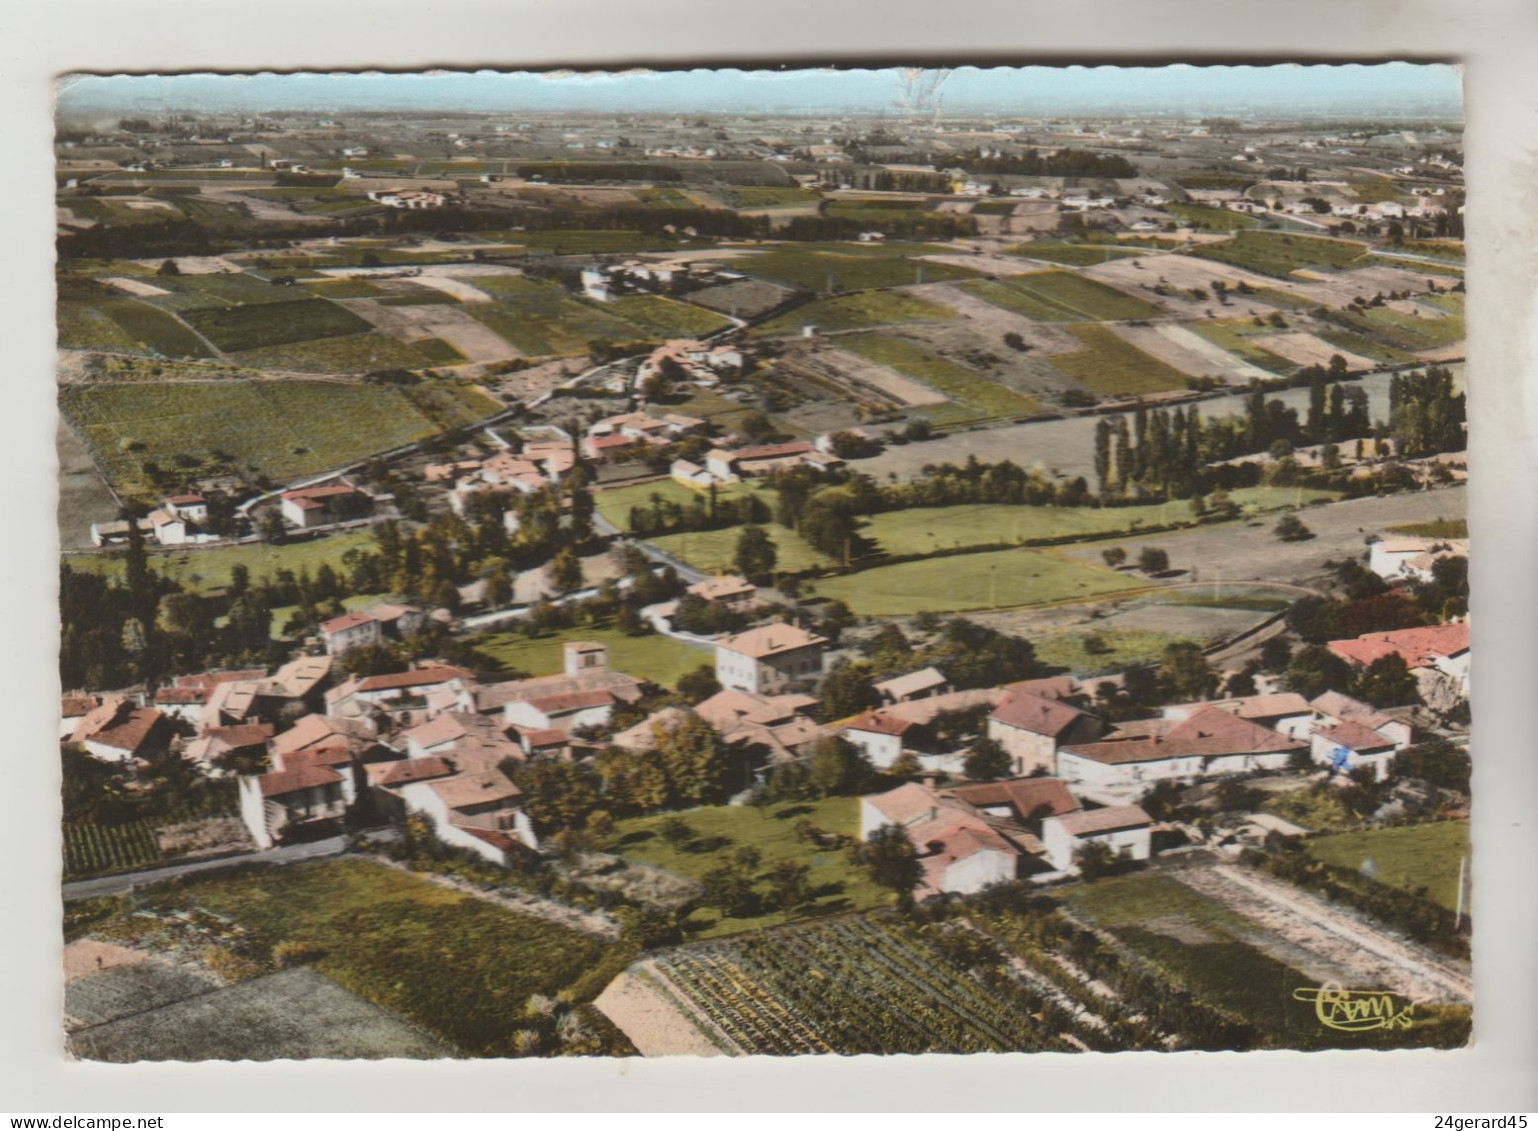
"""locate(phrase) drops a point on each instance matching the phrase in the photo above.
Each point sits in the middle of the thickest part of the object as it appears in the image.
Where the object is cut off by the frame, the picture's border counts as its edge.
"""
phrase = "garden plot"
(446, 322)
(197, 264)
(1190, 353)
(1185, 273)
(1305, 349)
(458, 288)
(994, 322)
(989, 264)
(136, 287)
(294, 1014)
(639, 1007)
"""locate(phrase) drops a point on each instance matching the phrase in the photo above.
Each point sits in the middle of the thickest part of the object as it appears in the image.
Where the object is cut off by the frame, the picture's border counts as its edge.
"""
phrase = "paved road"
(118, 884)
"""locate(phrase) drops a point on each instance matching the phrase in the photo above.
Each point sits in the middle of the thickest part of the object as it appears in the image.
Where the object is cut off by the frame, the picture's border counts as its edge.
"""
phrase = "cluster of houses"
(729, 465)
(602, 282)
(698, 362)
(179, 520)
(621, 436)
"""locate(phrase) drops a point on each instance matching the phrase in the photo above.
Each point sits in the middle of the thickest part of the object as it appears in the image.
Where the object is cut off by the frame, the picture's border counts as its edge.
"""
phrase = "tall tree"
(892, 861)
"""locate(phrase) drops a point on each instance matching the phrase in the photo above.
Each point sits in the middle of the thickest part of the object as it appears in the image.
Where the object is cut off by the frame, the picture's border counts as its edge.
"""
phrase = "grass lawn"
(1234, 336)
(665, 318)
(1215, 219)
(856, 312)
(207, 570)
(857, 267)
(1280, 254)
(714, 551)
(615, 503)
(1071, 254)
(999, 579)
(1091, 654)
(279, 429)
(976, 398)
(1409, 858)
(840, 885)
(460, 967)
(1061, 296)
(257, 325)
(660, 659)
(924, 530)
(1115, 367)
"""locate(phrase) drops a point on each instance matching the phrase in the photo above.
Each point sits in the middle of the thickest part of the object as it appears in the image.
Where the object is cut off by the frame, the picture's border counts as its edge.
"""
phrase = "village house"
(407, 696)
(116, 533)
(310, 507)
(585, 668)
(563, 711)
(1349, 745)
(885, 733)
(958, 849)
(304, 794)
(213, 745)
(769, 729)
(1287, 713)
(349, 631)
(1437, 656)
(1128, 762)
(1032, 727)
(1333, 708)
(119, 731)
(769, 658)
(746, 463)
(727, 591)
(691, 475)
(1124, 829)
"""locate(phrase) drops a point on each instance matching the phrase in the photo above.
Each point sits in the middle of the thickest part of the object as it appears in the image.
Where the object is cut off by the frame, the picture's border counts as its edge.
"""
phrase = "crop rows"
(854, 985)
(91, 849)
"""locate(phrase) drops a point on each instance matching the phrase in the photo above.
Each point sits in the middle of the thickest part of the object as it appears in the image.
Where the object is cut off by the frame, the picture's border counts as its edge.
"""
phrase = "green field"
(1279, 254)
(1113, 366)
(665, 318)
(1234, 336)
(209, 570)
(1088, 654)
(714, 551)
(1214, 219)
(1437, 528)
(754, 197)
(1071, 254)
(1409, 858)
(660, 659)
(841, 886)
(1060, 296)
(597, 242)
(1364, 346)
(999, 579)
(420, 298)
(857, 312)
(259, 325)
(848, 267)
(976, 398)
(344, 288)
(438, 351)
(353, 353)
(458, 966)
(1407, 332)
(279, 429)
(84, 324)
(615, 503)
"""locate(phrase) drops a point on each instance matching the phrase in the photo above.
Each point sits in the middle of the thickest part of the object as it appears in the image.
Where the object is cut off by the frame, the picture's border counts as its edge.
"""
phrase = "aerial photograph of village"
(713, 564)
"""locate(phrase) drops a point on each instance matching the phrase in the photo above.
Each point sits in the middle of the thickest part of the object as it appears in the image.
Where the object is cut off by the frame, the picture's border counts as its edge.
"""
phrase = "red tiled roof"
(181, 695)
(207, 680)
(1024, 711)
(773, 451)
(304, 493)
(1417, 646)
(131, 732)
(769, 640)
(185, 500)
(74, 706)
(571, 701)
(1207, 733)
(345, 621)
(300, 773)
(417, 677)
(244, 734)
(1355, 736)
(494, 837)
(1028, 797)
(538, 737)
(874, 722)
(414, 769)
(1088, 822)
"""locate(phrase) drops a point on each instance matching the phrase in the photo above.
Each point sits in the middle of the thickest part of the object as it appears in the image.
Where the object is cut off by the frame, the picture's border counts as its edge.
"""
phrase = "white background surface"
(1495, 39)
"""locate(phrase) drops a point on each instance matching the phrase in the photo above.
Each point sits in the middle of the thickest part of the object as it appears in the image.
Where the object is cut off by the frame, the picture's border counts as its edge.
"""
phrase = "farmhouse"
(118, 731)
(1333, 708)
(1437, 656)
(309, 507)
(1287, 713)
(210, 748)
(1348, 745)
(745, 463)
(304, 793)
(1129, 761)
(1032, 727)
(564, 711)
(407, 693)
(1124, 829)
(691, 475)
(728, 591)
(771, 729)
(350, 630)
(116, 533)
(958, 850)
(586, 668)
(768, 658)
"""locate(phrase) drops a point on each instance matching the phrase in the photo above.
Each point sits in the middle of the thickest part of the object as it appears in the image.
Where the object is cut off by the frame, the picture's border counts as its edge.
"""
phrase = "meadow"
(1410, 858)
(349, 354)
(1000, 579)
(615, 503)
(258, 325)
(551, 324)
(825, 268)
(654, 657)
(666, 318)
(1071, 254)
(1202, 216)
(720, 829)
(208, 571)
(1234, 336)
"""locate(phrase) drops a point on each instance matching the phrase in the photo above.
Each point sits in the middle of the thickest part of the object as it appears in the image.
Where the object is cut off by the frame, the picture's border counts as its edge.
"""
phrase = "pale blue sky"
(1027, 91)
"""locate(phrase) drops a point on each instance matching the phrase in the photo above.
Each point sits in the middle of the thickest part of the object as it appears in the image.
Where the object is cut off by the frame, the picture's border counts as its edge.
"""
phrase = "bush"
(287, 954)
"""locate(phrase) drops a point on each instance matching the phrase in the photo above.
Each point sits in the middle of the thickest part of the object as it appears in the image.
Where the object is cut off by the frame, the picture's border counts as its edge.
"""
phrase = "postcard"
(727, 564)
